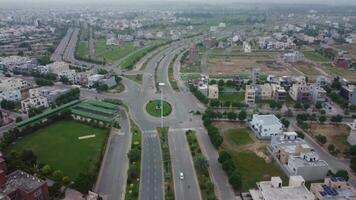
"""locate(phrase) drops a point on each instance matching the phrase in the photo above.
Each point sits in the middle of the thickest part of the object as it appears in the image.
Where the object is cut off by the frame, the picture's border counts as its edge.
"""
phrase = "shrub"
(321, 139)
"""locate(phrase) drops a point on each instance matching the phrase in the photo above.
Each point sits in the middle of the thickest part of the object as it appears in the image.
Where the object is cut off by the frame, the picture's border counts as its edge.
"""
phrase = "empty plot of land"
(249, 154)
(244, 63)
(306, 68)
(350, 48)
(112, 52)
(335, 133)
(335, 71)
(315, 56)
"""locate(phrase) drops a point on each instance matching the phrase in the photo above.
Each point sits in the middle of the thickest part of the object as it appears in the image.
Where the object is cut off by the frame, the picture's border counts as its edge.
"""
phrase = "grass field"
(348, 74)
(315, 56)
(112, 53)
(190, 68)
(137, 78)
(152, 109)
(240, 136)
(83, 49)
(307, 69)
(254, 169)
(232, 97)
(58, 145)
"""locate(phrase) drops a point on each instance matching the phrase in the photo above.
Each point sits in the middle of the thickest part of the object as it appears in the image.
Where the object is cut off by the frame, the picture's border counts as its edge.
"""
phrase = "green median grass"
(152, 109)
(58, 146)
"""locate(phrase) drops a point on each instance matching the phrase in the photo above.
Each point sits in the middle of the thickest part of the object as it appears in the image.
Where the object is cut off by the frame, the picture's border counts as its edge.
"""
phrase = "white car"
(181, 176)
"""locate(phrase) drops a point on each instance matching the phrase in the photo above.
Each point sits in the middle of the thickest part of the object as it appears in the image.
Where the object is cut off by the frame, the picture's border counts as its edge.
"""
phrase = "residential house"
(265, 126)
(342, 62)
(279, 93)
(308, 165)
(213, 92)
(246, 47)
(50, 93)
(13, 83)
(263, 92)
(10, 95)
(210, 42)
(274, 190)
(21, 185)
(35, 102)
(333, 188)
(250, 95)
(293, 57)
(57, 67)
(303, 92)
(349, 93)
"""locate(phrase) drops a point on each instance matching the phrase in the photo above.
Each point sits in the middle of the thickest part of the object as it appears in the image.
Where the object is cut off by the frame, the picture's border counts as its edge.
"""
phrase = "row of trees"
(200, 96)
(229, 167)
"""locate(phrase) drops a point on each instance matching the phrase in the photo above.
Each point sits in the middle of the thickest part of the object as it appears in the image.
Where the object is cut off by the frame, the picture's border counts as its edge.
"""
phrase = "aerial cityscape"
(178, 100)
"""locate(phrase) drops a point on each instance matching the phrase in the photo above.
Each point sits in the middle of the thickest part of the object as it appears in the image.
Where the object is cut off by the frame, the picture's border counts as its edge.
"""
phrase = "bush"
(352, 150)
(242, 115)
(224, 156)
(353, 164)
(322, 119)
(235, 179)
(285, 122)
(57, 175)
(331, 148)
(342, 173)
(337, 118)
(321, 139)
(300, 134)
(229, 166)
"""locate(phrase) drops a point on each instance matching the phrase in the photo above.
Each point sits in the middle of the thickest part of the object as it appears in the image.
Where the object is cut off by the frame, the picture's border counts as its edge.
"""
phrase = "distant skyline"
(332, 2)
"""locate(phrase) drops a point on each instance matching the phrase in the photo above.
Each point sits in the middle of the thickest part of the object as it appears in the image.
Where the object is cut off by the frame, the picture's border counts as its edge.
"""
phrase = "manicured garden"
(154, 108)
(58, 146)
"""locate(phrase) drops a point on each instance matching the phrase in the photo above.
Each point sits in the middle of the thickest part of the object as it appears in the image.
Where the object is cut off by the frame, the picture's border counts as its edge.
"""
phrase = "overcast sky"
(333, 2)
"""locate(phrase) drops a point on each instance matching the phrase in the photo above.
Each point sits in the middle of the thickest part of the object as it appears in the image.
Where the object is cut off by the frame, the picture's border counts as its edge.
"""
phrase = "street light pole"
(161, 84)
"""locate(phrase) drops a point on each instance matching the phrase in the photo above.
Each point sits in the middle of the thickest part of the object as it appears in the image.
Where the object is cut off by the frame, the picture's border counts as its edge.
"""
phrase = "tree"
(202, 164)
(235, 179)
(242, 115)
(353, 164)
(57, 175)
(318, 105)
(43, 82)
(8, 105)
(46, 169)
(352, 150)
(300, 134)
(322, 119)
(224, 156)
(228, 166)
(18, 119)
(215, 103)
(44, 60)
(321, 139)
(306, 106)
(231, 116)
(336, 118)
(134, 155)
(297, 105)
(28, 157)
(83, 183)
(331, 148)
(66, 180)
(285, 122)
(342, 173)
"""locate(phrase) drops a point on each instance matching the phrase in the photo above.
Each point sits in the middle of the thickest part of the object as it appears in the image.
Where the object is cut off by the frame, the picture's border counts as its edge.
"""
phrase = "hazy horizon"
(329, 2)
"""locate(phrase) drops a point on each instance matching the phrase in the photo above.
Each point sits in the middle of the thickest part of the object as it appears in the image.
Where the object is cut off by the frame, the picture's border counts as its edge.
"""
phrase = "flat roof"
(268, 119)
(21, 180)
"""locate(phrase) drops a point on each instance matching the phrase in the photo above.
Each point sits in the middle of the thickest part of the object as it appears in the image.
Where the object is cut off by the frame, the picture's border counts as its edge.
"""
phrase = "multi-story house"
(266, 126)
(35, 102)
(333, 188)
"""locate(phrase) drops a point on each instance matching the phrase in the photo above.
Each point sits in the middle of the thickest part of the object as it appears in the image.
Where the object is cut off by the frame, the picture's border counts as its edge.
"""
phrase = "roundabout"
(154, 108)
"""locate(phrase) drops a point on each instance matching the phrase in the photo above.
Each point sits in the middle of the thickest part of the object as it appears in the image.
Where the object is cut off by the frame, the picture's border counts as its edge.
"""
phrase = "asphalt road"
(111, 183)
(58, 53)
(187, 188)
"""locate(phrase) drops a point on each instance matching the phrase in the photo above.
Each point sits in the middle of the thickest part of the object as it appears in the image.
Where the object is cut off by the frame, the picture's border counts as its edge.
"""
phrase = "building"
(246, 47)
(57, 67)
(14, 84)
(193, 55)
(263, 92)
(349, 93)
(213, 92)
(303, 92)
(308, 165)
(342, 62)
(210, 42)
(334, 188)
(266, 126)
(293, 57)
(279, 93)
(35, 102)
(318, 94)
(286, 145)
(50, 93)
(273, 190)
(10, 95)
(21, 185)
(322, 81)
(250, 95)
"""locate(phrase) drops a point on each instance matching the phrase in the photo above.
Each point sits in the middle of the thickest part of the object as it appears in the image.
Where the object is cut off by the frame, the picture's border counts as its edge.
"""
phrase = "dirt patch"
(335, 133)
(244, 64)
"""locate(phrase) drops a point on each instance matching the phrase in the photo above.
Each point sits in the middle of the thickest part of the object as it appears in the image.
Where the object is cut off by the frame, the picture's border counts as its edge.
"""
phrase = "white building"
(247, 47)
(14, 84)
(266, 126)
(292, 57)
(94, 78)
(213, 92)
(57, 67)
(50, 93)
(273, 190)
(10, 95)
(35, 102)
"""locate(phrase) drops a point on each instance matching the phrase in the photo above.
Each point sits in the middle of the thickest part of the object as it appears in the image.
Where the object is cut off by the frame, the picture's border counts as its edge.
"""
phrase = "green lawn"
(254, 169)
(152, 109)
(112, 53)
(58, 145)
(240, 136)
(83, 49)
(232, 97)
(315, 56)
(190, 69)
